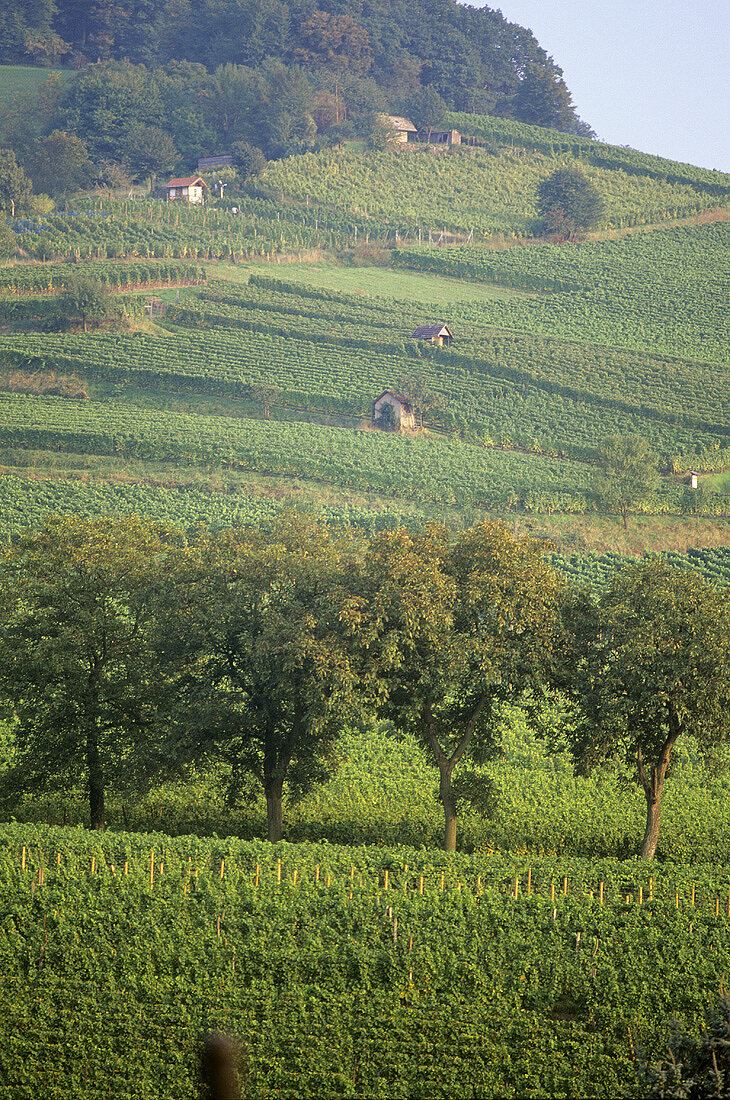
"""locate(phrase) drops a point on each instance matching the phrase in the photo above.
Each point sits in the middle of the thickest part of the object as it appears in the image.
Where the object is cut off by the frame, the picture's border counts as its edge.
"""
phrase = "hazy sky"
(653, 74)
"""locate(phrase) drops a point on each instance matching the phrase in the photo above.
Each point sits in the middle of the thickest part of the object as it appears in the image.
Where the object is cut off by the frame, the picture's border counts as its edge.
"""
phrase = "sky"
(652, 74)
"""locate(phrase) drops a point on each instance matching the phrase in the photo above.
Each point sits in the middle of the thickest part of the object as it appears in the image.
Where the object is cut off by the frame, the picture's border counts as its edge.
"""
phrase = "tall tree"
(569, 203)
(78, 606)
(626, 474)
(421, 394)
(428, 110)
(650, 663)
(264, 678)
(15, 187)
(449, 629)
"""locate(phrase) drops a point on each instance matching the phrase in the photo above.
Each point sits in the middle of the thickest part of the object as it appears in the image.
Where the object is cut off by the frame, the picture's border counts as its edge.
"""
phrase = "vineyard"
(333, 353)
(663, 291)
(344, 971)
(469, 188)
(501, 133)
(543, 958)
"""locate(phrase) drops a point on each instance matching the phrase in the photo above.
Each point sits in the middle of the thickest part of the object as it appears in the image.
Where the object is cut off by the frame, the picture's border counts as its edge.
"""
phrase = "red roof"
(188, 181)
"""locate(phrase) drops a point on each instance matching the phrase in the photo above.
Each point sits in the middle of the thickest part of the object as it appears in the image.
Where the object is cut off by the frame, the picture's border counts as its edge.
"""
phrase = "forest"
(474, 58)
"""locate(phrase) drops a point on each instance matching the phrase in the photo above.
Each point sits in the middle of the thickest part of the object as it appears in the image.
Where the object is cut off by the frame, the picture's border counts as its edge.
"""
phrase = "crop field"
(468, 188)
(507, 133)
(662, 291)
(362, 971)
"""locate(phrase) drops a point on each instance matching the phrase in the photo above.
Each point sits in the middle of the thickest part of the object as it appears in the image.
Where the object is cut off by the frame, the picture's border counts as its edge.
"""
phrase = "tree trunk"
(653, 820)
(449, 804)
(274, 810)
(96, 780)
(653, 784)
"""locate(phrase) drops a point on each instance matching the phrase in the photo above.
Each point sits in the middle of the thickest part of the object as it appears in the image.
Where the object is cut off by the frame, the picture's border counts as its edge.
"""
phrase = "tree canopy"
(78, 615)
(264, 680)
(471, 57)
(569, 203)
(650, 664)
(448, 629)
(626, 474)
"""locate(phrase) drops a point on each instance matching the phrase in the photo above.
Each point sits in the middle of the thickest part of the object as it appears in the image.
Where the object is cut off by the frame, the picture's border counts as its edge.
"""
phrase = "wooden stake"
(529, 881)
(294, 877)
(223, 863)
(552, 891)
(40, 876)
(385, 879)
(565, 884)
(58, 860)
(717, 907)
(641, 895)
(420, 890)
(126, 867)
(152, 869)
(278, 870)
(22, 860)
(93, 864)
(442, 881)
(256, 877)
(328, 880)
(479, 884)
(676, 900)
(316, 873)
(651, 889)
(600, 893)
(693, 895)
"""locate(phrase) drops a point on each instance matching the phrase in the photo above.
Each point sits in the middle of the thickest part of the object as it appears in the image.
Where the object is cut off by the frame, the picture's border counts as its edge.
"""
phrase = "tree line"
(131, 652)
(475, 58)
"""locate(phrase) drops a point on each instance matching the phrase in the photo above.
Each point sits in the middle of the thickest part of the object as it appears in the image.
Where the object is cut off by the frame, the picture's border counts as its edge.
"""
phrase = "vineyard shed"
(438, 334)
(403, 129)
(393, 410)
(188, 188)
(208, 164)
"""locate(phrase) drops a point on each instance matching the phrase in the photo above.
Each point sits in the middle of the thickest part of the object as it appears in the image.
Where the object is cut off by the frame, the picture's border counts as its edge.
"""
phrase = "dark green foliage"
(15, 188)
(85, 299)
(569, 203)
(248, 160)
(469, 57)
(698, 1068)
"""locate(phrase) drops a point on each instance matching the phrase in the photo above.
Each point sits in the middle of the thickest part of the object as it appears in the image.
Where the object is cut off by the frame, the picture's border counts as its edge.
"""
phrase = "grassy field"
(22, 80)
(380, 282)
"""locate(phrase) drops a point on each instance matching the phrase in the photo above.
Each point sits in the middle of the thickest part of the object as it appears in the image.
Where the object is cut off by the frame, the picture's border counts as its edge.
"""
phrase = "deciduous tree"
(449, 629)
(650, 663)
(78, 607)
(626, 474)
(15, 187)
(264, 678)
(569, 203)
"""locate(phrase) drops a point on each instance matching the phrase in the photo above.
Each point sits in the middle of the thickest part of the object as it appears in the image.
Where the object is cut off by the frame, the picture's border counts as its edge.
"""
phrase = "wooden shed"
(188, 189)
(403, 129)
(438, 334)
(219, 160)
(394, 411)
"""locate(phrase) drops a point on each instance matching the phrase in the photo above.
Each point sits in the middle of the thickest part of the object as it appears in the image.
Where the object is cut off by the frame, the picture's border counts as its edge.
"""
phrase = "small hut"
(220, 160)
(402, 129)
(187, 188)
(393, 411)
(438, 334)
